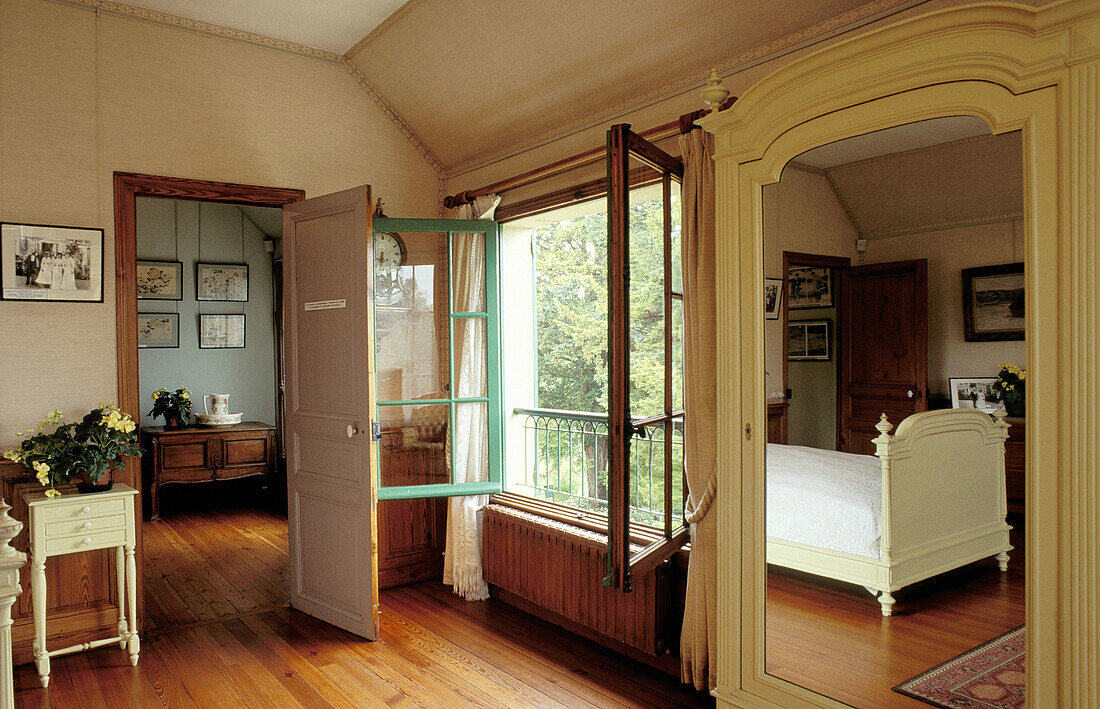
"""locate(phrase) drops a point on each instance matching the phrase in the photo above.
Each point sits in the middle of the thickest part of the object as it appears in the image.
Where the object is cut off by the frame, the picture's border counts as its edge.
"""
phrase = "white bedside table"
(73, 523)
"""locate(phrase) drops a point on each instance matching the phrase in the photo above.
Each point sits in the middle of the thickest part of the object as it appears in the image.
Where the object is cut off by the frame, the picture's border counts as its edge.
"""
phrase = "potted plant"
(1010, 389)
(174, 406)
(84, 452)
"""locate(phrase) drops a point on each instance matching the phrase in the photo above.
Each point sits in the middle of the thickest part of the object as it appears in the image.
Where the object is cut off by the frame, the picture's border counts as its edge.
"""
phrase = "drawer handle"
(87, 525)
(87, 540)
(85, 509)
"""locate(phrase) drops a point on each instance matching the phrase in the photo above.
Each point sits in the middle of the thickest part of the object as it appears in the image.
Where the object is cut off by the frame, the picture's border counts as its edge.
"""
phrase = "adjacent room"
(420, 353)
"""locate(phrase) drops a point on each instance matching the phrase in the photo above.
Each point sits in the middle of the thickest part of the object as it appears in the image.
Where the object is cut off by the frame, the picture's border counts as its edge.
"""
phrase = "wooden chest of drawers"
(201, 454)
(1015, 447)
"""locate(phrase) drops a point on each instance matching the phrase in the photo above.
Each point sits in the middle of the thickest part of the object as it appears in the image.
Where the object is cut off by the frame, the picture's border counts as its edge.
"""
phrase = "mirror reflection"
(895, 375)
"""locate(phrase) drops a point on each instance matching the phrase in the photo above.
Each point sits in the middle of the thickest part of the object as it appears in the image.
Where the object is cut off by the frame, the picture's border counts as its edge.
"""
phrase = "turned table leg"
(131, 600)
(38, 601)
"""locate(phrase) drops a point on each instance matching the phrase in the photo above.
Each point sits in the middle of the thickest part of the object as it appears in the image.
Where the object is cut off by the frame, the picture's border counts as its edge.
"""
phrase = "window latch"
(376, 430)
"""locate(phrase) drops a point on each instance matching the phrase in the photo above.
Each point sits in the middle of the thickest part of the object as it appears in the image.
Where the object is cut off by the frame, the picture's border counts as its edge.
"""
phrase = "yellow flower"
(1023, 375)
(15, 454)
(40, 467)
(53, 493)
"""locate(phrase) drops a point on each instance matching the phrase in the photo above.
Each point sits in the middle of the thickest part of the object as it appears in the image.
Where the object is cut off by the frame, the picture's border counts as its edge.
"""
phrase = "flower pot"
(172, 422)
(85, 485)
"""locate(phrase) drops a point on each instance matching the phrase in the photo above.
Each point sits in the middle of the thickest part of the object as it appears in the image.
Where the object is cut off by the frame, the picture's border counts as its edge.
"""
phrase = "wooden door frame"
(797, 258)
(128, 186)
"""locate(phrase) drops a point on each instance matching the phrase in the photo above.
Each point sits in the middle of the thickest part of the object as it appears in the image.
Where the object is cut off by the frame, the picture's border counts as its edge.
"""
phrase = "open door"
(329, 349)
(884, 348)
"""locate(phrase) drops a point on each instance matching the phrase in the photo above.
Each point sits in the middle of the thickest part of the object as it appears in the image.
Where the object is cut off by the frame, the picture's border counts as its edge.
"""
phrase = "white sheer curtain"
(462, 566)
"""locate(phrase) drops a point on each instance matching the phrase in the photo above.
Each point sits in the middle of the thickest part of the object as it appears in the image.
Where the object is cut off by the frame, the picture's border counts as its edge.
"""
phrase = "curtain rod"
(683, 124)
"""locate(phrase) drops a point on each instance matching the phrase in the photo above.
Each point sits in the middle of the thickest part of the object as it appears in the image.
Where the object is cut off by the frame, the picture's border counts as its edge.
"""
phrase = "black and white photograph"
(158, 330)
(58, 263)
(809, 341)
(993, 303)
(221, 331)
(221, 281)
(160, 280)
(809, 287)
(973, 393)
(773, 297)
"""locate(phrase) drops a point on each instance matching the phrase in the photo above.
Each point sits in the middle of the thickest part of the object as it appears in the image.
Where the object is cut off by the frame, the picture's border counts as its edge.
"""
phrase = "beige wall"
(948, 252)
(85, 94)
(802, 214)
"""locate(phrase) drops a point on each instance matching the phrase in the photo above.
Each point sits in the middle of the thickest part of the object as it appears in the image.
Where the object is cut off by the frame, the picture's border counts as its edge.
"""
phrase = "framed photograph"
(773, 297)
(808, 341)
(221, 281)
(993, 303)
(43, 262)
(160, 280)
(809, 287)
(221, 331)
(973, 393)
(158, 330)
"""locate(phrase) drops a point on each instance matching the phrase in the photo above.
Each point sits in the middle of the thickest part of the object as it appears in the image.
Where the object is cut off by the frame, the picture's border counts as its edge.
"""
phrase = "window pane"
(677, 269)
(647, 315)
(565, 460)
(571, 309)
(471, 442)
(647, 476)
(677, 355)
(471, 366)
(415, 448)
(468, 269)
(411, 321)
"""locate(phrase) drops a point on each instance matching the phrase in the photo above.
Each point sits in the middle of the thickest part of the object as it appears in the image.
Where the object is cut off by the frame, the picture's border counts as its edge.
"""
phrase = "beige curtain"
(462, 565)
(699, 637)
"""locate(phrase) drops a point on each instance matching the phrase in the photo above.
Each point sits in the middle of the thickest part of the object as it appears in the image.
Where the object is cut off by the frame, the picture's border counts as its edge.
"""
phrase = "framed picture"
(809, 287)
(221, 281)
(160, 280)
(973, 393)
(993, 303)
(773, 297)
(221, 331)
(44, 262)
(808, 341)
(158, 330)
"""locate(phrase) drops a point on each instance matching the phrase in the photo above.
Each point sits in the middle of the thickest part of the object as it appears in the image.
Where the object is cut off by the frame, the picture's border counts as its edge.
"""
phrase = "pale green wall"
(171, 230)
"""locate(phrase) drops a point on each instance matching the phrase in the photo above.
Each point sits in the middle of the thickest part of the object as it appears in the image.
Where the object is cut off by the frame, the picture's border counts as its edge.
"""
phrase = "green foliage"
(88, 449)
(172, 404)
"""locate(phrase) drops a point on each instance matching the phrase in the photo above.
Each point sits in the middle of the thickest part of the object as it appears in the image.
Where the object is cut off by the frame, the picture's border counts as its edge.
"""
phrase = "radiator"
(557, 568)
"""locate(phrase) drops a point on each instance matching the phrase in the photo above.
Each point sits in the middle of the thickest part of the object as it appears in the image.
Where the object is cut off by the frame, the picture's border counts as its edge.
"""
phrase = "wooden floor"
(219, 635)
(830, 637)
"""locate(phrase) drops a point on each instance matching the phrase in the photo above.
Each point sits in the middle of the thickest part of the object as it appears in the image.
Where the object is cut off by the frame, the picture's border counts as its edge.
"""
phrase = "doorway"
(256, 537)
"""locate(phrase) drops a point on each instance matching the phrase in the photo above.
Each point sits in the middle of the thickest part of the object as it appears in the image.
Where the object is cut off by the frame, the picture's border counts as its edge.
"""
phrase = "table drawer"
(69, 527)
(184, 455)
(81, 509)
(86, 542)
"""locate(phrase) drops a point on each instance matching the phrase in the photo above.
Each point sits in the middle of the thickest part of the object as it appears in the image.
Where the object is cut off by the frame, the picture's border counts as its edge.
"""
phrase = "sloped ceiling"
(965, 181)
(476, 78)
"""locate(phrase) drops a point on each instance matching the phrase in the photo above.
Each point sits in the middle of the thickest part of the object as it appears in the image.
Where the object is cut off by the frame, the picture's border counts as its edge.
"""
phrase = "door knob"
(352, 430)
(910, 393)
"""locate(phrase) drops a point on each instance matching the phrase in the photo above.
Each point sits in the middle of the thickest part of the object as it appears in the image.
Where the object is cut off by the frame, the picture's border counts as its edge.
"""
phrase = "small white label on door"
(326, 304)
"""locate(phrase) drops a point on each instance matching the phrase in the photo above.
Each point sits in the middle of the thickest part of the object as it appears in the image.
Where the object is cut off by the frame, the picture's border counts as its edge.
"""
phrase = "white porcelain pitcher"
(218, 404)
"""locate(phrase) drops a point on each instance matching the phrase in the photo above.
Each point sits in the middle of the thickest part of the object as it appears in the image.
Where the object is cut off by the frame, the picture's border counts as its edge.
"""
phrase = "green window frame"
(493, 400)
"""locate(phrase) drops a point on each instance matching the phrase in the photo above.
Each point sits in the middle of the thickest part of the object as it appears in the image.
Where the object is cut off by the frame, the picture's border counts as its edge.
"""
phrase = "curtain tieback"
(696, 514)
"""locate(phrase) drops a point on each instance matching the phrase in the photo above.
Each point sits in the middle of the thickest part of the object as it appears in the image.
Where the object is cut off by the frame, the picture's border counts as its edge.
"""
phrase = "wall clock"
(389, 250)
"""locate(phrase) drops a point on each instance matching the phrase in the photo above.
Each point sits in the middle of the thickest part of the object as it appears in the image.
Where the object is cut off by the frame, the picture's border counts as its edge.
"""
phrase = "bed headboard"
(943, 477)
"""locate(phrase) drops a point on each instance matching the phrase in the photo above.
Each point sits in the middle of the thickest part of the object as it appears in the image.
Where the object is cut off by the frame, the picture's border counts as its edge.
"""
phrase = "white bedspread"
(824, 498)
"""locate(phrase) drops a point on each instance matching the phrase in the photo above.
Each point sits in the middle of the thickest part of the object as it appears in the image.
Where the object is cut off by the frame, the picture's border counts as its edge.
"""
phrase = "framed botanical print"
(158, 330)
(809, 287)
(45, 262)
(221, 331)
(993, 303)
(160, 280)
(221, 281)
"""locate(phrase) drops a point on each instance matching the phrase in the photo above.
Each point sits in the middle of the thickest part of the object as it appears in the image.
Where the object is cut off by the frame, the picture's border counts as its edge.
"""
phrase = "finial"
(713, 94)
(883, 425)
(999, 415)
(9, 528)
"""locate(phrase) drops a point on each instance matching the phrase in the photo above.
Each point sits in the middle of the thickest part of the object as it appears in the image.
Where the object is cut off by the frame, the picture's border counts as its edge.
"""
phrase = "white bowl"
(218, 419)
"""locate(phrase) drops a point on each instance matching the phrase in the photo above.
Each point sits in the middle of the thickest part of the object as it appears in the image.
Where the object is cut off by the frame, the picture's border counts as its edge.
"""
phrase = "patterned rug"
(991, 676)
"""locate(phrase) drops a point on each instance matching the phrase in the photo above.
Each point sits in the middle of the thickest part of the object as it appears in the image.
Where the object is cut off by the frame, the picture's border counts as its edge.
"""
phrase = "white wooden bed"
(940, 494)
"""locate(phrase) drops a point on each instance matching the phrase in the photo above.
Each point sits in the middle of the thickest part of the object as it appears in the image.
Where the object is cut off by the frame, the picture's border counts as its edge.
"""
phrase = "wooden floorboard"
(830, 637)
(218, 633)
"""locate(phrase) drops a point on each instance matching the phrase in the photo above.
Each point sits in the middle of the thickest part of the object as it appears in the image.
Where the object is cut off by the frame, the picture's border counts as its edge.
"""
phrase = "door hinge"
(376, 430)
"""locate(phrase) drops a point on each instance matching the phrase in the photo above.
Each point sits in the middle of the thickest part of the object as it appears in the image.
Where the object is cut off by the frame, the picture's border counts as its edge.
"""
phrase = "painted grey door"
(329, 355)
